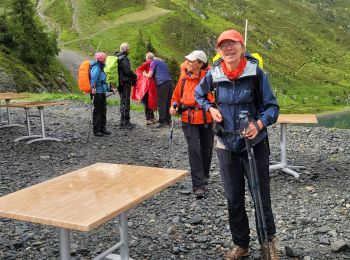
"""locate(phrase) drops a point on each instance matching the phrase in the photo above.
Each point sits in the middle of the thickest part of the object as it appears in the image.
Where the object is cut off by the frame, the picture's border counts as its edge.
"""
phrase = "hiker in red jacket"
(146, 90)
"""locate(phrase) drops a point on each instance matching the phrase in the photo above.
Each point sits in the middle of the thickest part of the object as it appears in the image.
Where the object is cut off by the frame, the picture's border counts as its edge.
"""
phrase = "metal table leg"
(123, 244)
(283, 164)
(9, 122)
(64, 244)
(29, 131)
(43, 134)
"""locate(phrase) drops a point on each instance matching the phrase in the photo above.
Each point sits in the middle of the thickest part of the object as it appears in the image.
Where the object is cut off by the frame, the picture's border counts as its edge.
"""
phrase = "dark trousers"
(148, 112)
(200, 151)
(99, 113)
(234, 167)
(124, 93)
(165, 91)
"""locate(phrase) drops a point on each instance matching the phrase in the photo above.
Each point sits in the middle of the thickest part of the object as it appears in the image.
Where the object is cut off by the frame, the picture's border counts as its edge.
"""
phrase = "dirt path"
(72, 59)
(149, 13)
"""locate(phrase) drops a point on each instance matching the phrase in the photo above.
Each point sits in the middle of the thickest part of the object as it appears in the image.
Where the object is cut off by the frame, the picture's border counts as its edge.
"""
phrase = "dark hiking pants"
(234, 167)
(165, 91)
(200, 150)
(99, 113)
(124, 93)
(148, 112)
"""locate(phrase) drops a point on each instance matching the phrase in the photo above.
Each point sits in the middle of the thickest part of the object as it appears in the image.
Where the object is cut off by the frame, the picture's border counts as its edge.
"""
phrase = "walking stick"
(245, 119)
(171, 134)
(90, 120)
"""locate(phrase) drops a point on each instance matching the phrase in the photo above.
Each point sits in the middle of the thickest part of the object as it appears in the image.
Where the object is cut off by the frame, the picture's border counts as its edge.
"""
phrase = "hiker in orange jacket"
(196, 123)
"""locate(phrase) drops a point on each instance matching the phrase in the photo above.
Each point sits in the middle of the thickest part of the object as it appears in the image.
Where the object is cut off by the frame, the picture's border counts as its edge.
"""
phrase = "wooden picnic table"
(40, 105)
(7, 96)
(86, 198)
(285, 119)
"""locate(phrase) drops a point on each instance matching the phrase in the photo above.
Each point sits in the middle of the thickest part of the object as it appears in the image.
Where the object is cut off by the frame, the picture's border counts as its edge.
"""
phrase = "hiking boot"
(162, 125)
(99, 134)
(126, 125)
(105, 132)
(273, 250)
(199, 193)
(236, 253)
(150, 122)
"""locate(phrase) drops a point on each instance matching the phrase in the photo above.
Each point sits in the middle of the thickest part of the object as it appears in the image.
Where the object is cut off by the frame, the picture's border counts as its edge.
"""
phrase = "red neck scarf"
(233, 74)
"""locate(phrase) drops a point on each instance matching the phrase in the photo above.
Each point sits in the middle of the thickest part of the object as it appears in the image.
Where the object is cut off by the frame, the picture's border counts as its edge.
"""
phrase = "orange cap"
(230, 35)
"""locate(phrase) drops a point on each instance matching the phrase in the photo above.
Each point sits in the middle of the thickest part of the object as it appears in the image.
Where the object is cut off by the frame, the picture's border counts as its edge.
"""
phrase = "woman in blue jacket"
(99, 88)
(240, 85)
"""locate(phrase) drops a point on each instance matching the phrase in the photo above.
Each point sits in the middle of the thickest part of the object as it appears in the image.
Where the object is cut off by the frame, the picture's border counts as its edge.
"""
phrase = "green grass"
(113, 100)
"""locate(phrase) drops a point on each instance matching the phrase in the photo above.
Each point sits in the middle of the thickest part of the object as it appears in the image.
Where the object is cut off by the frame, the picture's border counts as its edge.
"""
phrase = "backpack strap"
(215, 90)
(255, 84)
(183, 82)
(257, 87)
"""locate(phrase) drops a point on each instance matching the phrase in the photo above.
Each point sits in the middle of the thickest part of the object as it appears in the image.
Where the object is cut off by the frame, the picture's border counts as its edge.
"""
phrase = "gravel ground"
(312, 213)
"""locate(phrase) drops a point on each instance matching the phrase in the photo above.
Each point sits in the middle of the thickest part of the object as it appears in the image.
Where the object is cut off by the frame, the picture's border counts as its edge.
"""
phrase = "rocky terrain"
(312, 213)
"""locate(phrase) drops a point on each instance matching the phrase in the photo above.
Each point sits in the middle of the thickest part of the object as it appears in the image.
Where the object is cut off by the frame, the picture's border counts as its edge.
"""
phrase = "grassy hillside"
(305, 43)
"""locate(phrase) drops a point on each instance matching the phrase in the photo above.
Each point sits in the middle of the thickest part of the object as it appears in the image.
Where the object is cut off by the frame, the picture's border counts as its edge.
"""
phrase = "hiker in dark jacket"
(127, 78)
(99, 87)
(241, 85)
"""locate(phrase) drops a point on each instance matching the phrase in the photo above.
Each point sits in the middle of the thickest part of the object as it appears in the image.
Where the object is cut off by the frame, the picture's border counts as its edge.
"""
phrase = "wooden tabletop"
(12, 95)
(35, 104)
(86, 198)
(297, 119)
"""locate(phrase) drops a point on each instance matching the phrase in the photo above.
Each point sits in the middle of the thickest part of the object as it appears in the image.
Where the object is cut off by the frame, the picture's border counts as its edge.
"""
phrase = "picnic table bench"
(7, 96)
(86, 198)
(285, 119)
(40, 105)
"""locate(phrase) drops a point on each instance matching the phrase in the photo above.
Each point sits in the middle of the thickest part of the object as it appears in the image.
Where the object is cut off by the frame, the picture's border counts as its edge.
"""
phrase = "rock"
(195, 220)
(323, 240)
(185, 192)
(176, 250)
(322, 230)
(201, 239)
(333, 233)
(175, 219)
(339, 245)
(292, 252)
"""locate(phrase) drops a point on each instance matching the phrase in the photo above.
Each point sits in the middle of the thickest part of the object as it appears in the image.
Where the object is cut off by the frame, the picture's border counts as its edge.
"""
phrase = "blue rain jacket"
(98, 77)
(232, 97)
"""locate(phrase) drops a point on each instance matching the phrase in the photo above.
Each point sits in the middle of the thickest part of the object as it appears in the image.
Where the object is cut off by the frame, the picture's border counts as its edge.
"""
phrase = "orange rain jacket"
(185, 100)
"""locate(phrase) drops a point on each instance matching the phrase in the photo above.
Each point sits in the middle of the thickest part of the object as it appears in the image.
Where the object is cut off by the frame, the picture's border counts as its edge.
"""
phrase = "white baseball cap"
(197, 55)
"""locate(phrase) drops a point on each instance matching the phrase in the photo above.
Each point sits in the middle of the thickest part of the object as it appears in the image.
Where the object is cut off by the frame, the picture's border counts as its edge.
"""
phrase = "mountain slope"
(305, 43)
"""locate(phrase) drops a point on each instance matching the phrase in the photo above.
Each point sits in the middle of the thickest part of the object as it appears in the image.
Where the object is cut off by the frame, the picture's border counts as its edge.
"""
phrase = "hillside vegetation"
(28, 51)
(305, 43)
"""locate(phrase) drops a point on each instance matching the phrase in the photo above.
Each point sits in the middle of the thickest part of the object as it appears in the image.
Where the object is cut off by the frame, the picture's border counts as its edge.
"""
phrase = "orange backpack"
(84, 76)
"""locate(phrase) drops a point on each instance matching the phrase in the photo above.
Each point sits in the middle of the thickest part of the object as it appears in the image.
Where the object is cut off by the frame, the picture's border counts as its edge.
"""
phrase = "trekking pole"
(246, 33)
(98, 46)
(254, 183)
(171, 134)
(90, 120)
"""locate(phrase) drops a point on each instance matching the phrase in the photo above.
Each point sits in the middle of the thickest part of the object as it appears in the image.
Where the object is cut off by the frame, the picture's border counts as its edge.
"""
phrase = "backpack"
(84, 76)
(111, 70)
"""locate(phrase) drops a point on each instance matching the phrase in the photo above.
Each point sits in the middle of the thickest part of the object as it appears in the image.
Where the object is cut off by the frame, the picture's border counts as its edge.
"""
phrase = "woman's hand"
(173, 111)
(215, 113)
(252, 131)
(93, 91)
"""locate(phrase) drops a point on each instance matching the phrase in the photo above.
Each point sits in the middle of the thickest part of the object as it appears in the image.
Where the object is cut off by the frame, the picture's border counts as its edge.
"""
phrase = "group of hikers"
(209, 100)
